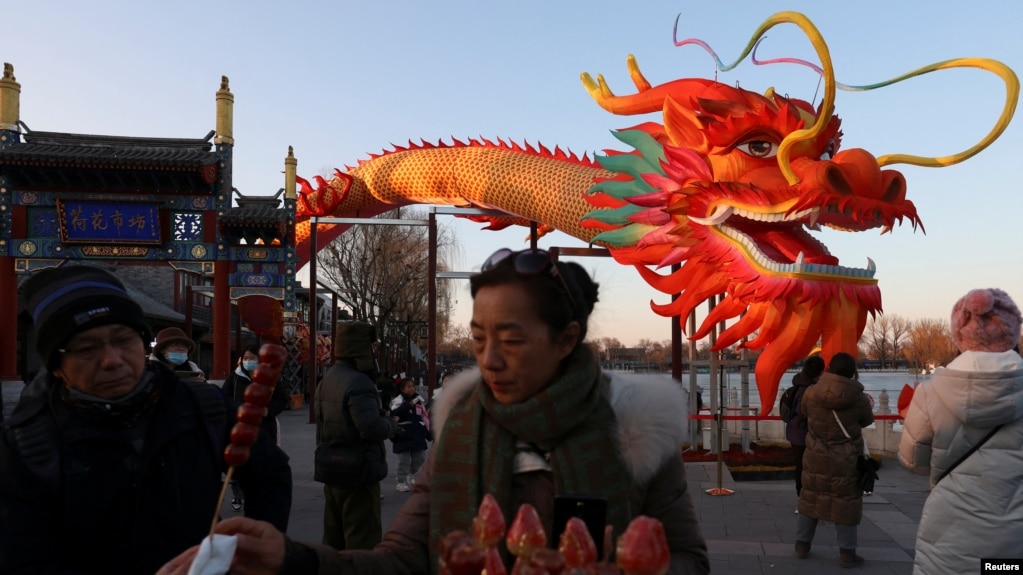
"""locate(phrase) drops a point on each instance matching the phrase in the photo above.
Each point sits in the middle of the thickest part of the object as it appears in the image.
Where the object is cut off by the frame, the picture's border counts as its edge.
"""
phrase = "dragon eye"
(759, 148)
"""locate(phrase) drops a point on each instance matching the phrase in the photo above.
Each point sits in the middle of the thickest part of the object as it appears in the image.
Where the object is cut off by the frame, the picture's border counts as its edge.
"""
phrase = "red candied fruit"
(236, 455)
(266, 375)
(244, 433)
(273, 355)
(258, 394)
(249, 413)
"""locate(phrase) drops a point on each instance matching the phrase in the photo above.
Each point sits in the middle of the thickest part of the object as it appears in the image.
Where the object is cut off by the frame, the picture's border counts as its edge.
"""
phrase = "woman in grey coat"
(971, 412)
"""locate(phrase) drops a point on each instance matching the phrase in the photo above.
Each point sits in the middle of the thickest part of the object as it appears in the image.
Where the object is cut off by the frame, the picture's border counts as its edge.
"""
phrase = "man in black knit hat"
(111, 464)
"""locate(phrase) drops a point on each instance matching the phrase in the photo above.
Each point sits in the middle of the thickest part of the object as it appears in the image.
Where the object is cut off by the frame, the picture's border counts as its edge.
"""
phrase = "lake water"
(873, 383)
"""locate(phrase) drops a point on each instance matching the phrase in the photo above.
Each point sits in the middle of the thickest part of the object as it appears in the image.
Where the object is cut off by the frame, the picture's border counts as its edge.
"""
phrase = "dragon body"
(718, 200)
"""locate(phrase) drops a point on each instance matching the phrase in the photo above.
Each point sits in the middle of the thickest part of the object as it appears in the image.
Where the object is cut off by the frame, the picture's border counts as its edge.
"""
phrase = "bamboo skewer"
(220, 500)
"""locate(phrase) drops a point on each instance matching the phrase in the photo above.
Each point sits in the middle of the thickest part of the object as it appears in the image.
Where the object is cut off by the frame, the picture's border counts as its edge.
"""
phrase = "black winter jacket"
(412, 433)
(348, 411)
(795, 429)
(124, 500)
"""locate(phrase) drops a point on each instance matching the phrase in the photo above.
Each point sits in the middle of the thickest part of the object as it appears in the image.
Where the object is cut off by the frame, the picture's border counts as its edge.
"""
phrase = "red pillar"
(9, 317)
(221, 322)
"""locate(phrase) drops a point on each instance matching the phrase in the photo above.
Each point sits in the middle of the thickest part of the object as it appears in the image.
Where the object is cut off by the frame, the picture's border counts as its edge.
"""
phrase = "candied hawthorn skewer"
(250, 414)
(257, 398)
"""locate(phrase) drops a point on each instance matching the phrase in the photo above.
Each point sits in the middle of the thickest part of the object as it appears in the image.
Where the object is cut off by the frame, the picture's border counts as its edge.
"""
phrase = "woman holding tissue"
(538, 418)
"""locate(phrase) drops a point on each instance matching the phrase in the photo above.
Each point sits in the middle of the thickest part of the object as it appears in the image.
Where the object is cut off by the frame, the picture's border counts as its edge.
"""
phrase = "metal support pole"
(744, 398)
(694, 383)
(431, 310)
(311, 363)
(716, 406)
(717, 396)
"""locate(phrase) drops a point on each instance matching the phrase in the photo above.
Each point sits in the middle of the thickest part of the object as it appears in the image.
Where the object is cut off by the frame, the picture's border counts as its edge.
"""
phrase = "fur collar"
(652, 418)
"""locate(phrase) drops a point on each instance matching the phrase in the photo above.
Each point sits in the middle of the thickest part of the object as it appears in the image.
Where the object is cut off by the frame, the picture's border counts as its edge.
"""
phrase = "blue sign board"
(109, 222)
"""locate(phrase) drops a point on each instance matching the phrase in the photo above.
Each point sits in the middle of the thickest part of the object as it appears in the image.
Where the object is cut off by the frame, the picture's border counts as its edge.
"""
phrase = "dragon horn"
(1011, 97)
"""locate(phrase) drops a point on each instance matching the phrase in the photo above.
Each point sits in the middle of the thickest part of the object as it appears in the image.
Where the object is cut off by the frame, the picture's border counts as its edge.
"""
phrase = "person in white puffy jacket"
(975, 508)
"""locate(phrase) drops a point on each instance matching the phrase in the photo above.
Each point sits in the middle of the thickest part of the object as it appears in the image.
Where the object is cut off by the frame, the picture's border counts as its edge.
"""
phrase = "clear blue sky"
(338, 80)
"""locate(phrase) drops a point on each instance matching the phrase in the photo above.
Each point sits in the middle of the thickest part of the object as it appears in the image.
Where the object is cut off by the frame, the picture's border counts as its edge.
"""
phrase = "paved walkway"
(749, 532)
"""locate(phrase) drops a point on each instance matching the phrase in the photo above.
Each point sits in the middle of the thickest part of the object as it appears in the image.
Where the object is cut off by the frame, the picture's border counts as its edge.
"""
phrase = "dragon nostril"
(895, 191)
(837, 181)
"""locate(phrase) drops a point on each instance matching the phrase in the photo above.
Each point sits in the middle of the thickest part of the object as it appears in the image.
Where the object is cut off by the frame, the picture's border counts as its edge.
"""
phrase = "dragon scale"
(529, 185)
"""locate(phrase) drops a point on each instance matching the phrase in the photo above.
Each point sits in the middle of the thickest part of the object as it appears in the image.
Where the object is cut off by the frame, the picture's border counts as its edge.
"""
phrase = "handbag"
(866, 467)
(348, 466)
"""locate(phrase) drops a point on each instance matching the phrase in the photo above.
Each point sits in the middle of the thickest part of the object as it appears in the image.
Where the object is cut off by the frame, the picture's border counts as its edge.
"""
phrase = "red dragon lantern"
(728, 186)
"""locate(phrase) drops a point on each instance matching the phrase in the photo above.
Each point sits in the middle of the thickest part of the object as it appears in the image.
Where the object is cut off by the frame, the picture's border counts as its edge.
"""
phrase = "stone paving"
(748, 532)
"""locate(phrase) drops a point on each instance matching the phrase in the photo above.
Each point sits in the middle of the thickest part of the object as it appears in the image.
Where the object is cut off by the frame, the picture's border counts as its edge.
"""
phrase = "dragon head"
(705, 190)
(727, 190)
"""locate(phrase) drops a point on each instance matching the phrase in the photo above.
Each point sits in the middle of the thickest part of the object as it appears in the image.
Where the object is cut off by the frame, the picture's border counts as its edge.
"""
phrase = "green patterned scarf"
(571, 419)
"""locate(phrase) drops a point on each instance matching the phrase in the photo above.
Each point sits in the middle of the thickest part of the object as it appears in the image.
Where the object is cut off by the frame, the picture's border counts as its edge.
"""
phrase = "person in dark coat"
(234, 387)
(795, 429)
(348, 411)
(241, 377)
(111, 463)
(173, 348)
(409, 410)
(831, 490)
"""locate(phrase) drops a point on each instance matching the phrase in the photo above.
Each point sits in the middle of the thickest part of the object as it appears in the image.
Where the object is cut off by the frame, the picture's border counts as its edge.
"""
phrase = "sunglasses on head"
(530, 262)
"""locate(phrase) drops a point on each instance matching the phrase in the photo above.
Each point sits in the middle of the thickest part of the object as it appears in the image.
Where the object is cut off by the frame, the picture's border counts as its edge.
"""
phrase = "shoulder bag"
(968, 453)
(865, 464)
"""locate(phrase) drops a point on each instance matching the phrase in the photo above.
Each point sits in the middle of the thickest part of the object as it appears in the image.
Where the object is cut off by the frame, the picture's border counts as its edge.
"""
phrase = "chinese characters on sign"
(109, 222)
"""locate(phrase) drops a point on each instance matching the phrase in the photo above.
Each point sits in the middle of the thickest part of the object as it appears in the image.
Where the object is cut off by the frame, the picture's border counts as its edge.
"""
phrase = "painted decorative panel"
(109, 222)
(188, 227)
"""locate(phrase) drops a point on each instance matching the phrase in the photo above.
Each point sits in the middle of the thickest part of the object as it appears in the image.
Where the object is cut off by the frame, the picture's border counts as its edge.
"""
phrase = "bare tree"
(381, 271)
(899, 330)
(703, 349)
(456, 345)
(930, 343)
(606, 344)
(658, 352)
(877, 339)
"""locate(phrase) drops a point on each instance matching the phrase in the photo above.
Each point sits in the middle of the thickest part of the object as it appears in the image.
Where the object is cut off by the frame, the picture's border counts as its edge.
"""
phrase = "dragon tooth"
(871, 266)
(721, 213)
(799, 259)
